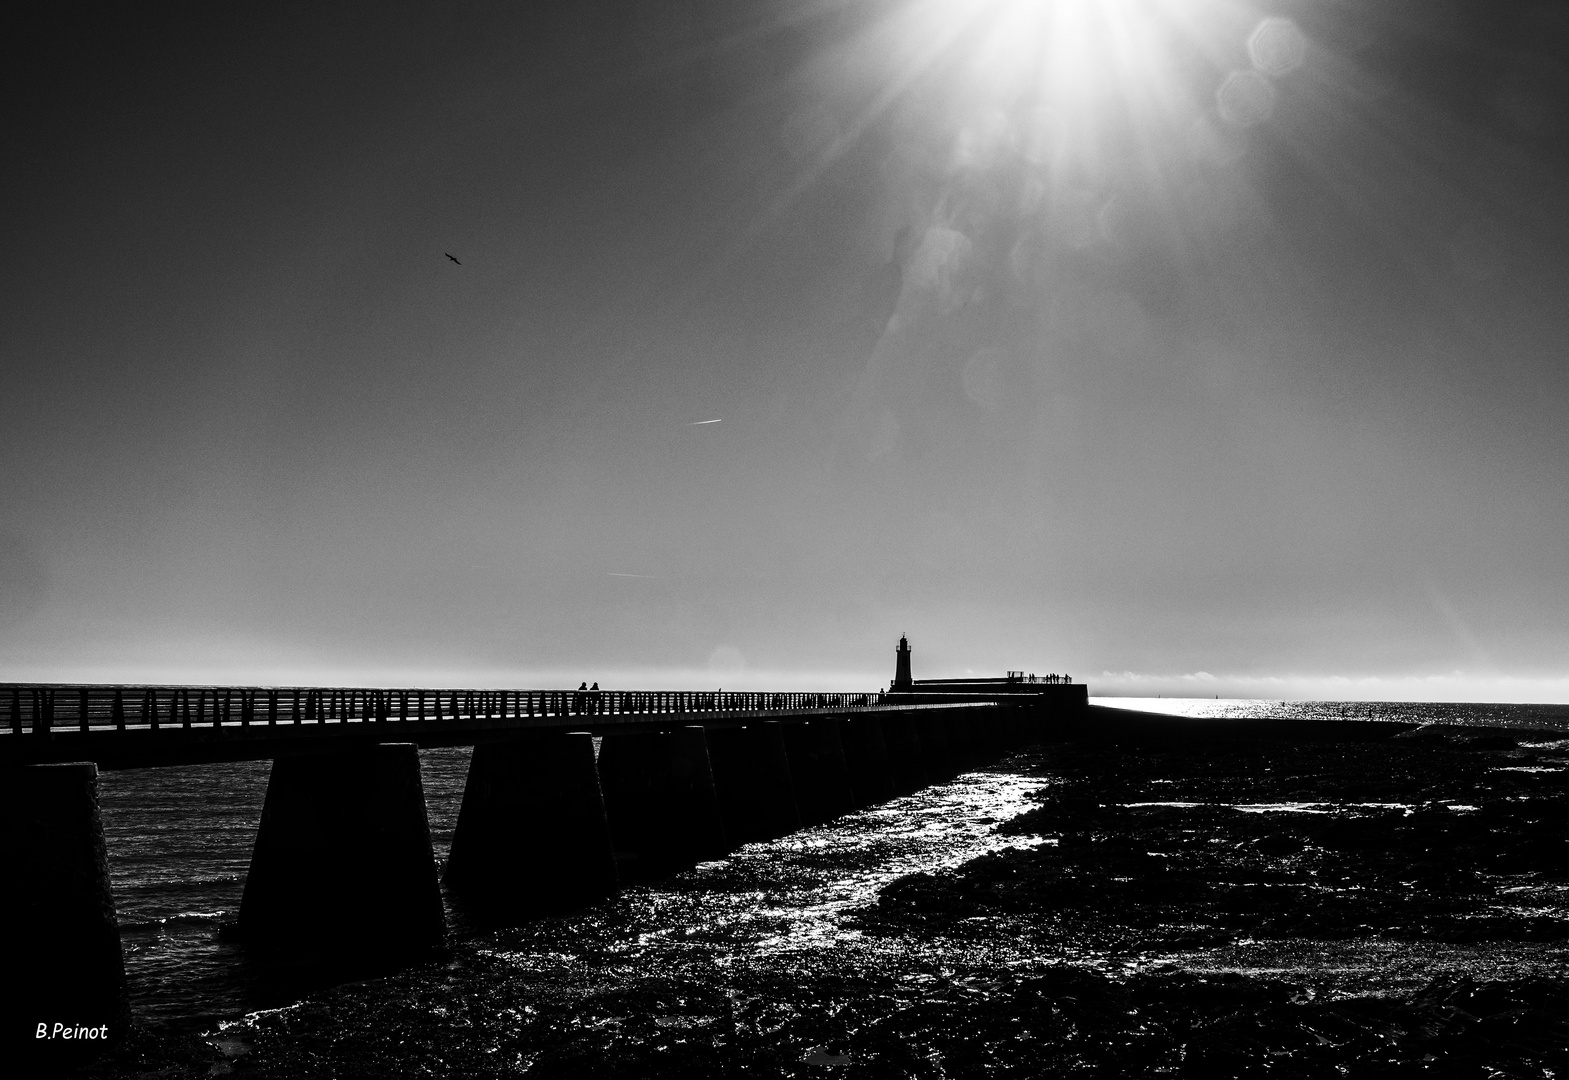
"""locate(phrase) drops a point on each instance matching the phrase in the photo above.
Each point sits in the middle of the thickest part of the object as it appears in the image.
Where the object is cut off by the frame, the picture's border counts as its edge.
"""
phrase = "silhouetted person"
(581, 697)
(593, 696)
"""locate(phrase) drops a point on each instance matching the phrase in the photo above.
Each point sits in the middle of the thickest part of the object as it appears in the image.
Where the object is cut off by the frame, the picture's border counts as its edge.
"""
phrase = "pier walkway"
(138, 726)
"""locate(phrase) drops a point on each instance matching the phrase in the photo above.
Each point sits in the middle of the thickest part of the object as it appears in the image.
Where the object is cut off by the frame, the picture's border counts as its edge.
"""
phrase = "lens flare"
(1246, 98)
(1277, 47)
(1057, 164)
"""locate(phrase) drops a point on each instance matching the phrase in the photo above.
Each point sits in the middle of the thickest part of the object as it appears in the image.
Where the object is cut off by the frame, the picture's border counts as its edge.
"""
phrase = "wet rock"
(1489, 742)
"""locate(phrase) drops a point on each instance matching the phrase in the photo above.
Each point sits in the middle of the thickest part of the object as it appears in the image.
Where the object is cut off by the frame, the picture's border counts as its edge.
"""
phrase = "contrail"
(695, 423)
(650, 577)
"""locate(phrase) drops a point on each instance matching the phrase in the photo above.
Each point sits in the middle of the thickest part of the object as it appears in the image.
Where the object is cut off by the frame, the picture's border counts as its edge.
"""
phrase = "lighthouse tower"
(901, 671)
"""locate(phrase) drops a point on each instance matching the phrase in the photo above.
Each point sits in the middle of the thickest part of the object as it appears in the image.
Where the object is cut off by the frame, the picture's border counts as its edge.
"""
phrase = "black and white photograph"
(811, 539)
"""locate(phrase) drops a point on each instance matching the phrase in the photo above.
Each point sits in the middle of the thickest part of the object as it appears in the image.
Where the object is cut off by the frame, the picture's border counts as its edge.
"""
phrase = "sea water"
(180, 838)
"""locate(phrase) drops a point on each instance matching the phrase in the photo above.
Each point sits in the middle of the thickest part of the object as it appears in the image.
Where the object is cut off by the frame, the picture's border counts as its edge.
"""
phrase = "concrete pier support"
(1022, 726)
(1017, 726)
(866, 756)
(996, 733)
(937, 754)
(660, 801)
(906, 756)
(1044, 722)
(817, 767)
(752, 781)
(343, 869)
(532, 836)
(62, 953)
(988, 736)
(964, 748)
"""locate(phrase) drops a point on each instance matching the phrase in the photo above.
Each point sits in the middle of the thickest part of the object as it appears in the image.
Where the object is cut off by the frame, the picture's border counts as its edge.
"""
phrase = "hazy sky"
(1204, 344)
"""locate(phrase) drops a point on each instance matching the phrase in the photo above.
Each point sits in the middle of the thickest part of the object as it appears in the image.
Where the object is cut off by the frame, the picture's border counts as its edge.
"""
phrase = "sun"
(1072, 77)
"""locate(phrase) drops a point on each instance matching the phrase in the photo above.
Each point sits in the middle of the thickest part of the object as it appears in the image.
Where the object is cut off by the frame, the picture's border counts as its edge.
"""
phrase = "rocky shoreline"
(1223, 909)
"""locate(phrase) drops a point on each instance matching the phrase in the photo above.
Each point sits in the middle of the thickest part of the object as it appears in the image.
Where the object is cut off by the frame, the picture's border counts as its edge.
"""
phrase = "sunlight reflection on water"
(1504, 714)
(1286, 807)
(796, 893)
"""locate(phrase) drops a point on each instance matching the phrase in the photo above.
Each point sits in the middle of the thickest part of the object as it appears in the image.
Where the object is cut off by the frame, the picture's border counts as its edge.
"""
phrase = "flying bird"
(451, 256)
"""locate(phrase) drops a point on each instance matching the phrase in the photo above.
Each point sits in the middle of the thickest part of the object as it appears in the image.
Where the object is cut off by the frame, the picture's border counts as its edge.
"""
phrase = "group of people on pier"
(585, 699)
(1019, 676)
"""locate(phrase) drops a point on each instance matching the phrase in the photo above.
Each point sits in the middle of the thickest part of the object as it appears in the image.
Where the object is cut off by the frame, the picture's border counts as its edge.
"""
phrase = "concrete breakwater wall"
(343, 868)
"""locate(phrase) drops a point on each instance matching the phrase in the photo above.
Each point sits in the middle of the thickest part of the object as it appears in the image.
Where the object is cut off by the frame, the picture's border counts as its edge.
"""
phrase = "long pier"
(570, 794)
(133, 726)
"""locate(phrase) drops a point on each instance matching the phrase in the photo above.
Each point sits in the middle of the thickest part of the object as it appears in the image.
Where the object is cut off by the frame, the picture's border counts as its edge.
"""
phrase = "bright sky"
(1160, 342)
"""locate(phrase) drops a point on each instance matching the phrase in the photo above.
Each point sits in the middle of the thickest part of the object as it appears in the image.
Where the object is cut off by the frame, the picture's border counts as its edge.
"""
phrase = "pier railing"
(39, 709)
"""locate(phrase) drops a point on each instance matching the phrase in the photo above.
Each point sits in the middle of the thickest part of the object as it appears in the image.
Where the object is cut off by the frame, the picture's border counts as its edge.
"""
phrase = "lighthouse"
(901, 670)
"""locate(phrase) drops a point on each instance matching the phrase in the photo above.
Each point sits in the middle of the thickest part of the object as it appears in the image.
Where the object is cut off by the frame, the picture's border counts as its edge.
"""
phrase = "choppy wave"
(179, 918)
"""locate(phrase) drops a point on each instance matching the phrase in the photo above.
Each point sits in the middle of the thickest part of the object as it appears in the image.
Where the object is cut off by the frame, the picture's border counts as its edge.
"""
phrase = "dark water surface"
(179, 846)
(996, 877)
